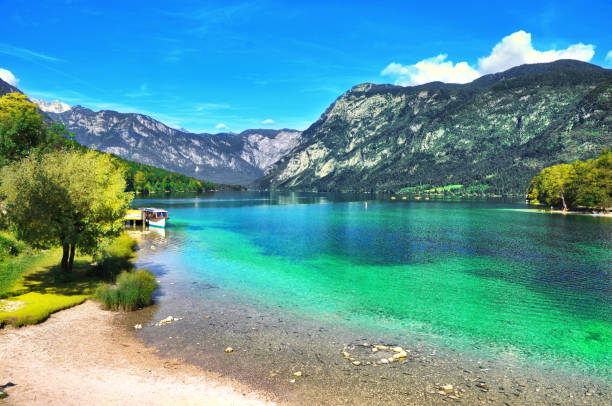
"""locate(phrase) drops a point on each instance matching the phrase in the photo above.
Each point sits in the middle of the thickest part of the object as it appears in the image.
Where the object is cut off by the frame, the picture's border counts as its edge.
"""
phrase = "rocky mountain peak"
(54, 106)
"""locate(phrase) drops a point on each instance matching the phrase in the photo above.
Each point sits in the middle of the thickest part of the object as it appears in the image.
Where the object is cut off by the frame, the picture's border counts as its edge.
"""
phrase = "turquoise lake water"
(490, 277)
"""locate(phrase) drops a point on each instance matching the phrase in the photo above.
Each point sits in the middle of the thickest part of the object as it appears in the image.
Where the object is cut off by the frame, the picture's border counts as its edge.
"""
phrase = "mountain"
(490, 136)
(6, 88)
(54, 106)
(220, 158)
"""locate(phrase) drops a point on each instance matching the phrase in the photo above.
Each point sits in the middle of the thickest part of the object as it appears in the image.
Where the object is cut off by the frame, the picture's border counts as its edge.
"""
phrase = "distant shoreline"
(572, 212)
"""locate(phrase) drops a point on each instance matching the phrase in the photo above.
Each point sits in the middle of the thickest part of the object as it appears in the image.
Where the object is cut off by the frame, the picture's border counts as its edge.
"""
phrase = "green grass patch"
(413, 189)
(132, 291)
(10, 246)
(11, 270)
(446, 188)
(33, 287)
(44, 288)
(115, 257)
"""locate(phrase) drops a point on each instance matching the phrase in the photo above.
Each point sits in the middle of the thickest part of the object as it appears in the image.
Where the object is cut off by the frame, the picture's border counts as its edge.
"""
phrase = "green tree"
(579, 184)
(594, 181)
(21, 127)
(68, 198)
(140, 181)
(552, 185)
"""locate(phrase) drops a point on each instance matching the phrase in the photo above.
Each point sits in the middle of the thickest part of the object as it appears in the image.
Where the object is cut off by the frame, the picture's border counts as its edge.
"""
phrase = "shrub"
(132, 291)
(9, 246)
(115, 257)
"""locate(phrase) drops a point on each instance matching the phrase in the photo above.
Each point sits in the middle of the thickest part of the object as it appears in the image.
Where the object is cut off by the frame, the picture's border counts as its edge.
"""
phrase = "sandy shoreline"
(98, 362)
(85, 355)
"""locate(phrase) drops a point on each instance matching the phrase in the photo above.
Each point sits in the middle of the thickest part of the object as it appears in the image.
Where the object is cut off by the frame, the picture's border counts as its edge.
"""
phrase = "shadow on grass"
(81, 281)
(52, 280)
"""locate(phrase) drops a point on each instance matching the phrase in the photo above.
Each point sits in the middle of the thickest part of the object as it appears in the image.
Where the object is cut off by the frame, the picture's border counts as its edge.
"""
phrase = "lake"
(290, 280)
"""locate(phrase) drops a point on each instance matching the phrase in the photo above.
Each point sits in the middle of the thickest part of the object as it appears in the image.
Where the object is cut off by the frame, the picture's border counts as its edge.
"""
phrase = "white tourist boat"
(155, 217)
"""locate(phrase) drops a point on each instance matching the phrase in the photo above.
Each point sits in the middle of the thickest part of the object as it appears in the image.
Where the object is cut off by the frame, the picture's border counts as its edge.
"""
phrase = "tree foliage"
(69, 198)
(147, 179)
(579, 184)
(21, 127)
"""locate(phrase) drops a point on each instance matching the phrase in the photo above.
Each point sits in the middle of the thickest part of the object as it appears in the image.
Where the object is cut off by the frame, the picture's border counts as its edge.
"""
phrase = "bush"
(115, 257)
(132, 291)
(9, 246)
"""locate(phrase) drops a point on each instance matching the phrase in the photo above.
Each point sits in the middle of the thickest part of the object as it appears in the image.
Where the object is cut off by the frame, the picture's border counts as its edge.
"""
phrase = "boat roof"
(153, 209)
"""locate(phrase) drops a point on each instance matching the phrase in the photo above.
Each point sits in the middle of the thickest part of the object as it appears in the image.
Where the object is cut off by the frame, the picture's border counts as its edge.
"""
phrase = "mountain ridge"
(491, 135)
(227, 158)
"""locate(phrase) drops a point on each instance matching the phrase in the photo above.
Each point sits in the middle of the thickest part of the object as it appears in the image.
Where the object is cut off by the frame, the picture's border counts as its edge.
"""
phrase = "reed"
(132, 291)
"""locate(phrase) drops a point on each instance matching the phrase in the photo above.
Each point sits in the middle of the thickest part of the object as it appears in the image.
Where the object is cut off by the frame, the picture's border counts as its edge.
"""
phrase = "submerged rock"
(168, 320)
(400, 355)
(447, 388)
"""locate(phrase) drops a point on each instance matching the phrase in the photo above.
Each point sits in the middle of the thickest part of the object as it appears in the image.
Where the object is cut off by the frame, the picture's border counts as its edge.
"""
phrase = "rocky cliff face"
(220, 158)
(54, 106)
(6, 88)
(491, 135)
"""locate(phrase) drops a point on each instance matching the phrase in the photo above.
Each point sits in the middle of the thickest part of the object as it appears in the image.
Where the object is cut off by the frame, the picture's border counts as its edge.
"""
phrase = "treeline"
(23, 131)
(579, 185)
(145, 179)
(148, 179)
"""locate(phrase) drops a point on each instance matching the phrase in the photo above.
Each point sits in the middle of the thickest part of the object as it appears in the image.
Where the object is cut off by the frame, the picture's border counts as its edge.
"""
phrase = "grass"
(12, 265)
(446, 188)
(33, 287)
(132, 291)
(412, 189)
(115, 257)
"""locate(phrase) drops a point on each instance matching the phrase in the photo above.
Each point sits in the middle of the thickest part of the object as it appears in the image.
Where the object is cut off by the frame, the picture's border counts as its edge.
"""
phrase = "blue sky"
(229, 66)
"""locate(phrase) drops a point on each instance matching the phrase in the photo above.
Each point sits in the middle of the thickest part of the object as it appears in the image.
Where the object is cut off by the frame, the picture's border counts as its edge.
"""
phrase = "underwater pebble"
(400, 355)
(168, 320)
(446, 388)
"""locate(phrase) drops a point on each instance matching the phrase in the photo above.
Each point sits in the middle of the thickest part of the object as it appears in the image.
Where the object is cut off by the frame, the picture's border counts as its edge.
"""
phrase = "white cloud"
(515, 49)
(8, 77)
(431, 70)
(221, 126)
(609, 57)
(268, 121)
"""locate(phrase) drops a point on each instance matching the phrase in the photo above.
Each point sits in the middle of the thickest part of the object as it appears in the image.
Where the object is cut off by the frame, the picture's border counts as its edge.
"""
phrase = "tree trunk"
(71, 260)
(65, 253)
(563, 200)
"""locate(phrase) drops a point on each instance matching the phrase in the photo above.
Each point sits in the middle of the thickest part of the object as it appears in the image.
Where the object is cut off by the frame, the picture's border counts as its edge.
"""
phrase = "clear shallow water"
(482, 277)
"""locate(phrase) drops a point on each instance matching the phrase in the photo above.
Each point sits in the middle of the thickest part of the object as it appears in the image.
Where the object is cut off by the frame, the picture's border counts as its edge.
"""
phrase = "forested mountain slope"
(490, 136)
